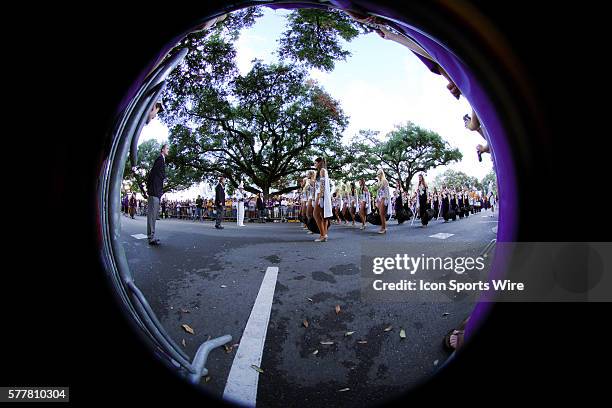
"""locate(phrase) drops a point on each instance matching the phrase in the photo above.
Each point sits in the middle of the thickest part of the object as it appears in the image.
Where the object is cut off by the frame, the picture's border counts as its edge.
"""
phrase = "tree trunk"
(408, 181)
(266, 192)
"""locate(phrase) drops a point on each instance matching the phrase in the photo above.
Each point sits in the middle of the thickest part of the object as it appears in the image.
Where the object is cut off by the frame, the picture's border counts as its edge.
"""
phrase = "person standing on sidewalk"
(155, 184)
(260, 208)
(220, 202)
(199, 204)
(133, 205)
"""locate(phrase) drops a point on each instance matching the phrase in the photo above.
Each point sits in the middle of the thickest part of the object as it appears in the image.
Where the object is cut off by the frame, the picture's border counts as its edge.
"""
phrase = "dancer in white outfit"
(240, 196)
(322, 204)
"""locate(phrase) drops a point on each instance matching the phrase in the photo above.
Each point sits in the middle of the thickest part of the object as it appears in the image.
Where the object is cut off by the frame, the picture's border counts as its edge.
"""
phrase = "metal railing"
(270, 214)
(125, 137)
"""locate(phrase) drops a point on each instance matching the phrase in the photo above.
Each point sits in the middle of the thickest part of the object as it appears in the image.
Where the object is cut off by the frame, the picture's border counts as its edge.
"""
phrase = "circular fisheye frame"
(282, 230)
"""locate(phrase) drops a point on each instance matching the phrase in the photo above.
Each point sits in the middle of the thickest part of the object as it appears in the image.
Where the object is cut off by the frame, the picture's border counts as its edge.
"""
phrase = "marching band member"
(445, 203)
(453, 201)
(436, 203)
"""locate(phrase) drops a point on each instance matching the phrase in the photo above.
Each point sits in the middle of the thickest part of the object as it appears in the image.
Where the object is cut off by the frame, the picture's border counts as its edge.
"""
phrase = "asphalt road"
(209, 279)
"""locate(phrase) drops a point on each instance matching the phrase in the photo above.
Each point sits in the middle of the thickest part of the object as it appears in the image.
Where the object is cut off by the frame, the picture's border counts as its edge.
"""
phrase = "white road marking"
(139, 236)
(441, 235)
(241, 386)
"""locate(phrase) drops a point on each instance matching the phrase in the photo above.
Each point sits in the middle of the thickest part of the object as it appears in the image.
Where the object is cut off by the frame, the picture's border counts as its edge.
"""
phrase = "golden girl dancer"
(310, 196)
(323, 205)
(341, 206)
(337, 201)
(364, 202)
(353, 202)
(335, 207)
(382, 200)
(347, 202)
(304, 201)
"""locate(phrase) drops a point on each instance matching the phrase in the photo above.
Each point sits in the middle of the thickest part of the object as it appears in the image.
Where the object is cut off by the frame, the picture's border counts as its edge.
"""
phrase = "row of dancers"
(353, 202)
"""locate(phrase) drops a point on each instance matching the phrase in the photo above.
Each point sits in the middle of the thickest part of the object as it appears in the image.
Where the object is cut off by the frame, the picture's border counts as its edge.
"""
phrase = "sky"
(380, 85)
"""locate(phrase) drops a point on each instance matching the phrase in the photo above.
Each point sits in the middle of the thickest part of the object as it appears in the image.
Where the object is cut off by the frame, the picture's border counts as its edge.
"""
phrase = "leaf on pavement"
(254, 367)
(228, 349)
(445, 314)
(337, 309)
(305, 323)
(315, 352)
(184, 310)
(403, 334)
(349, 333)
(309, 299)
(183, 343)
(389, 328)
(327, 343)
(224, 286)
(344, 389)
(207, 378)
(188, 329)
(362, 342)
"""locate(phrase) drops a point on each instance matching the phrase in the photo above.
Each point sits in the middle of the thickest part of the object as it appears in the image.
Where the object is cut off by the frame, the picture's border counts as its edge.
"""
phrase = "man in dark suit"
(260, 208)
(155, 189)
(220, 202)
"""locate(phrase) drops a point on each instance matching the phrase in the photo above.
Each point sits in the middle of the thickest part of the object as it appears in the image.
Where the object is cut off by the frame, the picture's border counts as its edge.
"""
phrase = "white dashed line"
(241, 386)
(441, 235)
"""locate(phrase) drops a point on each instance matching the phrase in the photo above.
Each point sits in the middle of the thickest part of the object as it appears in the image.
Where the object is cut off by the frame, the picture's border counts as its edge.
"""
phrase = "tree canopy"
(265, 127)
(314, 37)
(404, 152)
(177, 177)
(489, 182)
(457, 179)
